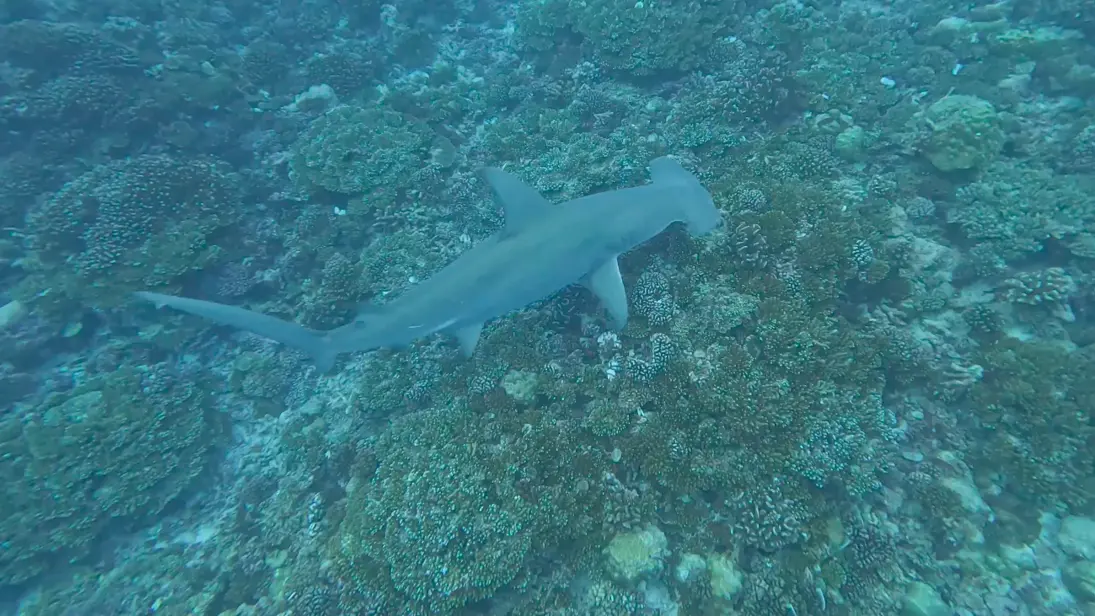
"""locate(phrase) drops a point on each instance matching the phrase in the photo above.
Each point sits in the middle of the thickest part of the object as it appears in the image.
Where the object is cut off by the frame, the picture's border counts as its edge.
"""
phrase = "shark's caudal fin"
(701, 215)
(312, 342)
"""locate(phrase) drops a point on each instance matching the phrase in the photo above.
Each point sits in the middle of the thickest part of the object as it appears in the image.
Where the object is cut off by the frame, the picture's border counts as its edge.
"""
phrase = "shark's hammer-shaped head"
(703, 216)
(699, 211)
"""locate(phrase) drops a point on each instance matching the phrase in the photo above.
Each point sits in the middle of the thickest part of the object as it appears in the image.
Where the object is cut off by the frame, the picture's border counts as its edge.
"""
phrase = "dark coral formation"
(132, 224)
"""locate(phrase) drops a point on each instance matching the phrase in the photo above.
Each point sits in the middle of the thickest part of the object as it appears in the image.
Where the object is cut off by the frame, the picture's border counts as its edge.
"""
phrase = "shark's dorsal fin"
(607, 284)
(521, 202)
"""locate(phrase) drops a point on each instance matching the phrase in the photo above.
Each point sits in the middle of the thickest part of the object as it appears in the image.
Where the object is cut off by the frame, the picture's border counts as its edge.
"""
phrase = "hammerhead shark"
(542, 248)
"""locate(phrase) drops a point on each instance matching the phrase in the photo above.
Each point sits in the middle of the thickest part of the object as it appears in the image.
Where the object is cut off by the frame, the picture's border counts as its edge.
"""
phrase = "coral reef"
(114, 451)
(129, 225)
(964, 133)
(867, 393)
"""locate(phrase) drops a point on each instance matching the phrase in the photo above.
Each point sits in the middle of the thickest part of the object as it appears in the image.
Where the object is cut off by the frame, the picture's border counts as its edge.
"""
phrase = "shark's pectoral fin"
(521, 202)
(468, 336)
(607, 284)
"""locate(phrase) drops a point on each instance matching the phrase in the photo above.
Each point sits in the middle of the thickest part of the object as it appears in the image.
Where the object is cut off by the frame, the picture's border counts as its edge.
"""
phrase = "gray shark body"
(542, 249)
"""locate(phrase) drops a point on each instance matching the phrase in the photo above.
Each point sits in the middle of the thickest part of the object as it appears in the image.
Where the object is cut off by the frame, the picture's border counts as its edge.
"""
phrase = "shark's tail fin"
(700, 213)
(315, 343)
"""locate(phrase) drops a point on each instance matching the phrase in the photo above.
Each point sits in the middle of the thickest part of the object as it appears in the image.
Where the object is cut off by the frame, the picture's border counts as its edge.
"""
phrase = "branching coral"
(662, 351)
(459, 503)
(641, 38)
(131, 224)
(1014, 209)
(1049, 289)
(1031, 410)
(330, 300)
(79, 102)
(117, 449)
(768, 519)
(652, 298)
(61, 47)
(375, 153)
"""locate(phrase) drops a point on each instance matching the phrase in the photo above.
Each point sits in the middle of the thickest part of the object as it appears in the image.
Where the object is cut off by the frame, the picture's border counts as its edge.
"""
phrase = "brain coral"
(964, 133)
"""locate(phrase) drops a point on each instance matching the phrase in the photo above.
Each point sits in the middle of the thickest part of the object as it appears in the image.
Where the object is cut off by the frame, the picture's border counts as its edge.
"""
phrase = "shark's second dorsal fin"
(521, 202)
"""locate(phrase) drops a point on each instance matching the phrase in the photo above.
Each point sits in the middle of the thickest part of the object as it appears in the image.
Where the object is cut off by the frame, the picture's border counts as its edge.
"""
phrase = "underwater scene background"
(869, 392)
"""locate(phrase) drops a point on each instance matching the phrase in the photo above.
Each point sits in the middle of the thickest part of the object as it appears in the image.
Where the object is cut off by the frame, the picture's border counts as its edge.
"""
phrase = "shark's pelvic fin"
(468, 336)
(324, 358)
(522, 203)
(607, 284)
